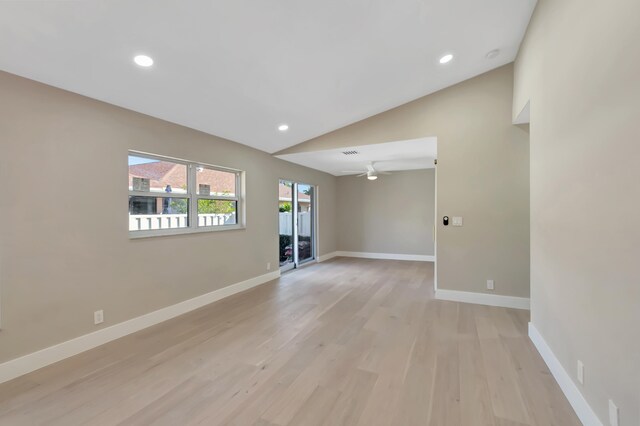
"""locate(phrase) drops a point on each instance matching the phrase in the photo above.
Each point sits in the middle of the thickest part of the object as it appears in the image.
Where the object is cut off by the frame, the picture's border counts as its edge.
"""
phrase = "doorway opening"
(296, 218)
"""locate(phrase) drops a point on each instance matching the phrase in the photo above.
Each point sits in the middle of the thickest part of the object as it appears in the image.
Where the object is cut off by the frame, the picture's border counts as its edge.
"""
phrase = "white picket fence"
(145, 222)
(304, 224)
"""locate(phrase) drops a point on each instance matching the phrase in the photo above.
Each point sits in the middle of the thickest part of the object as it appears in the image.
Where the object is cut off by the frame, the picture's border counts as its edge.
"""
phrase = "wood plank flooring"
(346, 342)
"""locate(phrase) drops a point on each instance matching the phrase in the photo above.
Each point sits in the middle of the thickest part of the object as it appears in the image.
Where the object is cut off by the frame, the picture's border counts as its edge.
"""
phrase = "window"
(217, 198)
(169, 196)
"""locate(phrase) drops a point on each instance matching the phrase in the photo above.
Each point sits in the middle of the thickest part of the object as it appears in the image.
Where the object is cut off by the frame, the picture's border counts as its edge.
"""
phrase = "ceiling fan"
(371, 173)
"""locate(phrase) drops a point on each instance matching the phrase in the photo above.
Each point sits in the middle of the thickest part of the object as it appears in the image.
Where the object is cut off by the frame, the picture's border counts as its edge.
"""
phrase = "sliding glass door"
(296, 218)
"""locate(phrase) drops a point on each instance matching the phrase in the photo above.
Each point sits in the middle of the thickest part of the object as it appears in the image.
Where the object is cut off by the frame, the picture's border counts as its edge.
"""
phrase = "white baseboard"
(327, 256)
(33, 361)
(386, 256)
(580, 406)
(483, 299)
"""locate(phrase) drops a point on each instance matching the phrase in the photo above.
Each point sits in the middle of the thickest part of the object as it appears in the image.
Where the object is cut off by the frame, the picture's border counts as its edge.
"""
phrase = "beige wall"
(64, 246)
(585, 191)
(393, 214)
(483, 176)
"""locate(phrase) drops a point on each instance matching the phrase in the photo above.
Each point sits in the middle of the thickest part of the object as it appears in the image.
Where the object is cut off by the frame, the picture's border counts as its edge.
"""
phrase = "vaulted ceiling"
(238, 68)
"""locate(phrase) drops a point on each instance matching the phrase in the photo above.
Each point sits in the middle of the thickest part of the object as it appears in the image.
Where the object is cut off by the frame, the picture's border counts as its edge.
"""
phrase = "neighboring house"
(164, 174)
(170, 177)
(304, 200)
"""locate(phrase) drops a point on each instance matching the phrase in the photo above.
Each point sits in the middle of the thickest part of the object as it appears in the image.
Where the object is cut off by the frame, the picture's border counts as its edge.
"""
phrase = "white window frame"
(192, 198)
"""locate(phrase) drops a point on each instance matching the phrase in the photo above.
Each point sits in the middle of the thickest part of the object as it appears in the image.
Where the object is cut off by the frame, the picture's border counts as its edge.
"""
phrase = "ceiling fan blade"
(383, 173)
(351, 171)
(362, 174)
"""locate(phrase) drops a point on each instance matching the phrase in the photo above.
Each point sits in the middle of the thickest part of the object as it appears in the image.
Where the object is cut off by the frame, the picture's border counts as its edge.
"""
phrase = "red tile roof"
(285, 192)
(162, 173)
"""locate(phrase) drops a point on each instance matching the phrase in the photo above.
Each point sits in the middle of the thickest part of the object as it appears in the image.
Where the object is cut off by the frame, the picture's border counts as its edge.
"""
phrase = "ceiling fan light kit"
(371, 173)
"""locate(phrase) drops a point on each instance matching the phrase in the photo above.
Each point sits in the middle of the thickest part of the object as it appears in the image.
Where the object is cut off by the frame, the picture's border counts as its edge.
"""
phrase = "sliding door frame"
(296, 263)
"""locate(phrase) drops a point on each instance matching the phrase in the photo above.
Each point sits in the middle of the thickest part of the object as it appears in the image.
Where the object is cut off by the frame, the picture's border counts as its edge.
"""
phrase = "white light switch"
(490, 285)
(456, 221)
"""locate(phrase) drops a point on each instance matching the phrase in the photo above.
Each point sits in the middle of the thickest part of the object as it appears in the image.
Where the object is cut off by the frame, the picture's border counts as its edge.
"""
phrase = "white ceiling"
(410, 154)
(239, 68)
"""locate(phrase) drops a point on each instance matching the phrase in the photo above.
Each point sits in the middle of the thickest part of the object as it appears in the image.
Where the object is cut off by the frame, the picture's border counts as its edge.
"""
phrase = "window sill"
(134, 235)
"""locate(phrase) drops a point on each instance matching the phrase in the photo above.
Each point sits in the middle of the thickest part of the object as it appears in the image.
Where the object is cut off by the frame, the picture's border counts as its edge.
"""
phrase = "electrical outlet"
(98, 317)
(580, 372)
(490, 285)
(268, 266)
(613, 414)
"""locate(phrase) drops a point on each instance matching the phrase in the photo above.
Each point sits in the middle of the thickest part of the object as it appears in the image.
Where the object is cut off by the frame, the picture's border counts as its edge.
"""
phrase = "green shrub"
(285, 208)
(206, 206)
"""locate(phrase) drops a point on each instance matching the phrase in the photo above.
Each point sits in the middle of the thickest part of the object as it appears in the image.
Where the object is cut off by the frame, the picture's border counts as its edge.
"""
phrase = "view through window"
(167, 194)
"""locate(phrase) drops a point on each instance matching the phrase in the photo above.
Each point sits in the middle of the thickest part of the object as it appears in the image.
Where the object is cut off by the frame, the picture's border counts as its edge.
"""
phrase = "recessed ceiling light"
(492, 54)
(143, 60)
(446, 58)
(283, 127)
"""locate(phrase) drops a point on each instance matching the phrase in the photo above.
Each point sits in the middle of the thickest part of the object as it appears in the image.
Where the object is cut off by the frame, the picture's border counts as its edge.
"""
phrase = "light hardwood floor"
(346, 342)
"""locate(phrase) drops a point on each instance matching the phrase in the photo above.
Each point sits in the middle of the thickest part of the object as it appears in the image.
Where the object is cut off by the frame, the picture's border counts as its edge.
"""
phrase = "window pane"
(147, 213)
(285, 222)
(215, 182)
(305, 222)
(149, 175)
(217, 212)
